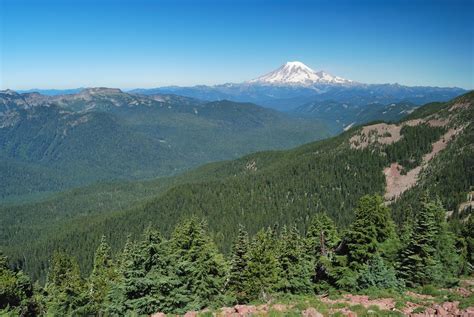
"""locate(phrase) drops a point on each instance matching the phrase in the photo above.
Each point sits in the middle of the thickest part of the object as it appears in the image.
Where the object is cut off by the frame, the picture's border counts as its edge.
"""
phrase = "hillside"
(279, 187)
(52, 143)
(344, 115)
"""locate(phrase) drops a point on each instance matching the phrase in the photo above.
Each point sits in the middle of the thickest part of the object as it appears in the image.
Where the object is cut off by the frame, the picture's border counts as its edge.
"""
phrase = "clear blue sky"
(129, 44)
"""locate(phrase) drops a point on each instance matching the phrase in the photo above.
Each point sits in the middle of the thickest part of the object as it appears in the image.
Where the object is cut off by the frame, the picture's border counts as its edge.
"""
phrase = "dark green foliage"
(468, 234)
(295, 263)
(322, 235)
(107, 134)
(200, 268)
(16, 292)
(429, 255)
(416, 141)
(373, 226)
(147, 279)
(238, 273)
(354, 263)
(259, 190)
(104, 274)
(264, 268)
(377, 274)
(64, 287)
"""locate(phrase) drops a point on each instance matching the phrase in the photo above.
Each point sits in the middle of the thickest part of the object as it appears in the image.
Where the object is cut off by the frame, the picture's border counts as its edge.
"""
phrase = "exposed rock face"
(397, 183)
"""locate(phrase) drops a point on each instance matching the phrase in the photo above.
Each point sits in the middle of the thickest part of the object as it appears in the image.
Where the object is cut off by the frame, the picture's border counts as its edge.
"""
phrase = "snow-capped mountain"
(297, 73)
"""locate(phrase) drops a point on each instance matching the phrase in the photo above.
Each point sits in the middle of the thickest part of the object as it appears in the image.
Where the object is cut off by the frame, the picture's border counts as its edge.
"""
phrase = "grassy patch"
(466, 302)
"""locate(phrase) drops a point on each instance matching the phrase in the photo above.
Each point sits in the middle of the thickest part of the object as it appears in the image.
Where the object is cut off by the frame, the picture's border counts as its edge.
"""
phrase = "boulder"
(245, 310)
(440, 311)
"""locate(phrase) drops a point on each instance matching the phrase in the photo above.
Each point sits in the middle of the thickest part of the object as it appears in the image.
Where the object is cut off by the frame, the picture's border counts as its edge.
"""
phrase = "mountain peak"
(297, 73)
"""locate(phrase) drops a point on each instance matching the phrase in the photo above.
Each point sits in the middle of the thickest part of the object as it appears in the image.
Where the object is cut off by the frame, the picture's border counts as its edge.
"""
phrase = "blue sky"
(129, 44)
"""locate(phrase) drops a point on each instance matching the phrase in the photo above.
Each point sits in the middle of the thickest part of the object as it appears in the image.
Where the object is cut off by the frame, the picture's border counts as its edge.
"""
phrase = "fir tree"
(64, 286)
(264, 268)
(377, 274)
(372, 226)
(16, 292)
(296, 265)
(418, 265)
(201, 269)
(322, 236)
(238, 275)
(103, 276)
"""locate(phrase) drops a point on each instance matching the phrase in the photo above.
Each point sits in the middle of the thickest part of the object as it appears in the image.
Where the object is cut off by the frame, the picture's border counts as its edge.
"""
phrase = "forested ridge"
(266, 188)
(52, 143)
(277, 190)
(185, 271)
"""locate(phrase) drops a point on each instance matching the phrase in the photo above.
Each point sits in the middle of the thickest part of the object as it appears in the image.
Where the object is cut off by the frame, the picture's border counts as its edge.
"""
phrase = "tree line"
(186, 271)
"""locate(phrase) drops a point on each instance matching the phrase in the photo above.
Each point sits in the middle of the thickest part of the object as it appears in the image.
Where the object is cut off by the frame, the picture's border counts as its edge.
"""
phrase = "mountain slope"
(271, 188)
(104, 134)
(342, 115)
(297, 73)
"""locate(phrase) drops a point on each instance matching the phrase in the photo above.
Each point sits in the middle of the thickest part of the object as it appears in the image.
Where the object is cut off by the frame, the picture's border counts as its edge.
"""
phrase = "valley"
(206, 158)
(261, 189)
(51, 143)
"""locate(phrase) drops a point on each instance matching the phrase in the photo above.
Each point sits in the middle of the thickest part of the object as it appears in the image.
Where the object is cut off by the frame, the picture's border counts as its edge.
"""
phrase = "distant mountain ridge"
(56, 142)
(430, 149)
(295, 84)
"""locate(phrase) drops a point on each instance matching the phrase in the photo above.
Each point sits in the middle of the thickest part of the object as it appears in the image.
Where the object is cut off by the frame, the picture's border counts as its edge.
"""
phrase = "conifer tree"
(64, 286)
(16, 292)
(296, 265)
(372, 226)
(468, 235)
(430, 254)
(321, 241)
(238, 275)
(377, 274)
(146, 277)
(418, 264)
(201, 269)
(103, 275)
(264, 268)
(322, 236)
(371, 234)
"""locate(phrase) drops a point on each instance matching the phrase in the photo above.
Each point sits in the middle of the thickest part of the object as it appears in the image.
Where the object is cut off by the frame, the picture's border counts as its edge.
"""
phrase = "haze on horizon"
(55, 44)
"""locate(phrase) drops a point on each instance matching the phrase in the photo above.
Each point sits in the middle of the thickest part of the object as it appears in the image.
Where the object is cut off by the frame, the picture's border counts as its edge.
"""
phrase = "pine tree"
(468, 235)
(64, 286)
(264, 268)
(146, 278)
(103, 275)
(371, 234)
(296, 265)
(201, 269)
(418, 265)
(446, 251)
(238, 275)
(321, 241)
(16, 292)
(377, 274)
(322, 236)
(372, 226)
